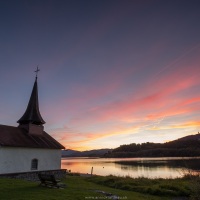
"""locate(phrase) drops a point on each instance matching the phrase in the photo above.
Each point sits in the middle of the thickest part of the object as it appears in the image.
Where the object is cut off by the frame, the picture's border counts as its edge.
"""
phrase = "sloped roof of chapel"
(19, 137)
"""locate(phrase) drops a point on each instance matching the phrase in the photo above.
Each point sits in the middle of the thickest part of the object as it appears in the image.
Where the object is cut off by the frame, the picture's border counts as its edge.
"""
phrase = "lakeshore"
(133, 167)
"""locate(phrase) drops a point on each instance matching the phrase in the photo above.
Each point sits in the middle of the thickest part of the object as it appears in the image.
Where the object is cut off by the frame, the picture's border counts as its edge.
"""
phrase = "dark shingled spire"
(32, 113)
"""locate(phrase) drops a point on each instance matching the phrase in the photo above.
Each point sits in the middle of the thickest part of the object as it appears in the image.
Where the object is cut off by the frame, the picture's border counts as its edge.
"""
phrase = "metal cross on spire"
(37, 70)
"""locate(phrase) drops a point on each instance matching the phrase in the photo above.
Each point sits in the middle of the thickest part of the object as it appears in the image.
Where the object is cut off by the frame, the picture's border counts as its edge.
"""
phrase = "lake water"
(134, 167)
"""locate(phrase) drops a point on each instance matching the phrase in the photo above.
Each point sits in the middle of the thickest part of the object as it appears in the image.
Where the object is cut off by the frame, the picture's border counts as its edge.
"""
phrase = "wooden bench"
(49, 181)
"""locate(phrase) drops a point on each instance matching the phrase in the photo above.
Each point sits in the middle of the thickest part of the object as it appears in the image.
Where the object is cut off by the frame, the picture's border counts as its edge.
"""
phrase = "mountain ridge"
(88, 153)
(185, 146)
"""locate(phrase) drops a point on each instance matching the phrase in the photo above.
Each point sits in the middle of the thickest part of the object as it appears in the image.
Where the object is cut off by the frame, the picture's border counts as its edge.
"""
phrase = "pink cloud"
(135, 105)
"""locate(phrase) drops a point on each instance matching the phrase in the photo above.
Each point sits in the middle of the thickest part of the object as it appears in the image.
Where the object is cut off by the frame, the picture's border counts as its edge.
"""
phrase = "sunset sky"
(112, 72)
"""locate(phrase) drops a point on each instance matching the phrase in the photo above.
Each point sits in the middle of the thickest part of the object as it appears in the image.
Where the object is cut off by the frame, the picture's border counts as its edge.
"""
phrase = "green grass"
(78, 188)
(159, 187)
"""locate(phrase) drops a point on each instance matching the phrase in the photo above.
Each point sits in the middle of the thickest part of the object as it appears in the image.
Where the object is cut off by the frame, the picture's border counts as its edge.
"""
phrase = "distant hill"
(91, 153)
(70, 153)
(189, 137)
(188, 146)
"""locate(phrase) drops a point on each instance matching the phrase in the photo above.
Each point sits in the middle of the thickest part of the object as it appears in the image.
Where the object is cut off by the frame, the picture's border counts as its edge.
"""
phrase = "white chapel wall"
(17, 159)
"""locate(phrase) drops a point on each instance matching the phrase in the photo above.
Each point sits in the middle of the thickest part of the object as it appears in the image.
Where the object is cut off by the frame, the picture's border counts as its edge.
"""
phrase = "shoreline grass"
(157, 187)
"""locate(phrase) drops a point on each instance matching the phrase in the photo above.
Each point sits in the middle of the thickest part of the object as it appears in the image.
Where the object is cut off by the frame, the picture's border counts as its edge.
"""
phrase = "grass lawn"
(159, 187)
(78, 188)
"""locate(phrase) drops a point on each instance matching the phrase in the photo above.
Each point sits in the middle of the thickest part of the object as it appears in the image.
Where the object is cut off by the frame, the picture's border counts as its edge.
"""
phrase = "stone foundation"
(33, 176)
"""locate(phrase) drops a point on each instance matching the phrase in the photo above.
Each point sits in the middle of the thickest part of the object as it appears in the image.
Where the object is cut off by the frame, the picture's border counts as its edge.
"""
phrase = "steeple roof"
(32, 114)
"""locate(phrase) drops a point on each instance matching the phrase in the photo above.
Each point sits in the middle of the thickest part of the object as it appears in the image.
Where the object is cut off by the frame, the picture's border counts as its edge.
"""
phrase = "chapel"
(28, 147)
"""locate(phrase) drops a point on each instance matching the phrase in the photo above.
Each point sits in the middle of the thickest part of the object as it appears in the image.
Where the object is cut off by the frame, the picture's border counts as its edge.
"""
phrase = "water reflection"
(134, 167)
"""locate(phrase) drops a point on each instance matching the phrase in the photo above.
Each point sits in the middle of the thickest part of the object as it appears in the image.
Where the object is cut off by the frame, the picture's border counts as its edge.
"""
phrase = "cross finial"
(37, 70)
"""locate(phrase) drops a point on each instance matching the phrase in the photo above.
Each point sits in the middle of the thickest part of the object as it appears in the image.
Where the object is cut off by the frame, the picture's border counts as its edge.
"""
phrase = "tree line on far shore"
(184, 147)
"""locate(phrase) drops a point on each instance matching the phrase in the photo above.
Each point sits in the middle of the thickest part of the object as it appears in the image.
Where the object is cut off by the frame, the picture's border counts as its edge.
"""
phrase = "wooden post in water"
(91, 171)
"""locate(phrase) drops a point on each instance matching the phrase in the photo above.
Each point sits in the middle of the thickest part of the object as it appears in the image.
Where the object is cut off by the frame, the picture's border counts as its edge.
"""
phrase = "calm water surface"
(134, 167)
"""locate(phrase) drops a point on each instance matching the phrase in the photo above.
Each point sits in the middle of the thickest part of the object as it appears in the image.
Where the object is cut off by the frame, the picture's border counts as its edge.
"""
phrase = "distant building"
(28, 147)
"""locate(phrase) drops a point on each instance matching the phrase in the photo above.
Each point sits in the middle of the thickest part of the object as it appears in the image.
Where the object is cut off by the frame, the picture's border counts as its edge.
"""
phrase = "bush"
(195, 188)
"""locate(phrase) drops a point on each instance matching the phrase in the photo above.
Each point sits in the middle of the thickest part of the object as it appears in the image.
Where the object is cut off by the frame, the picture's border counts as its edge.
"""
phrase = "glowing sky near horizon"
(112, 71)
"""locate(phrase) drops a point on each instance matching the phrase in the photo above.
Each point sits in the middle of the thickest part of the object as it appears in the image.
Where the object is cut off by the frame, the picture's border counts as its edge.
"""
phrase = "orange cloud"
(193, 124)
(187, 124)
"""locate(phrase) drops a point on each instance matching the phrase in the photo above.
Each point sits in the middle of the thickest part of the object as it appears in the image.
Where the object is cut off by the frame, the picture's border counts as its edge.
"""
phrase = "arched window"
(34, 164)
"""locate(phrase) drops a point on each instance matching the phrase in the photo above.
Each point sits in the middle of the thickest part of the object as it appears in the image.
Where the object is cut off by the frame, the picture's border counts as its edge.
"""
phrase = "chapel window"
(34, 164)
